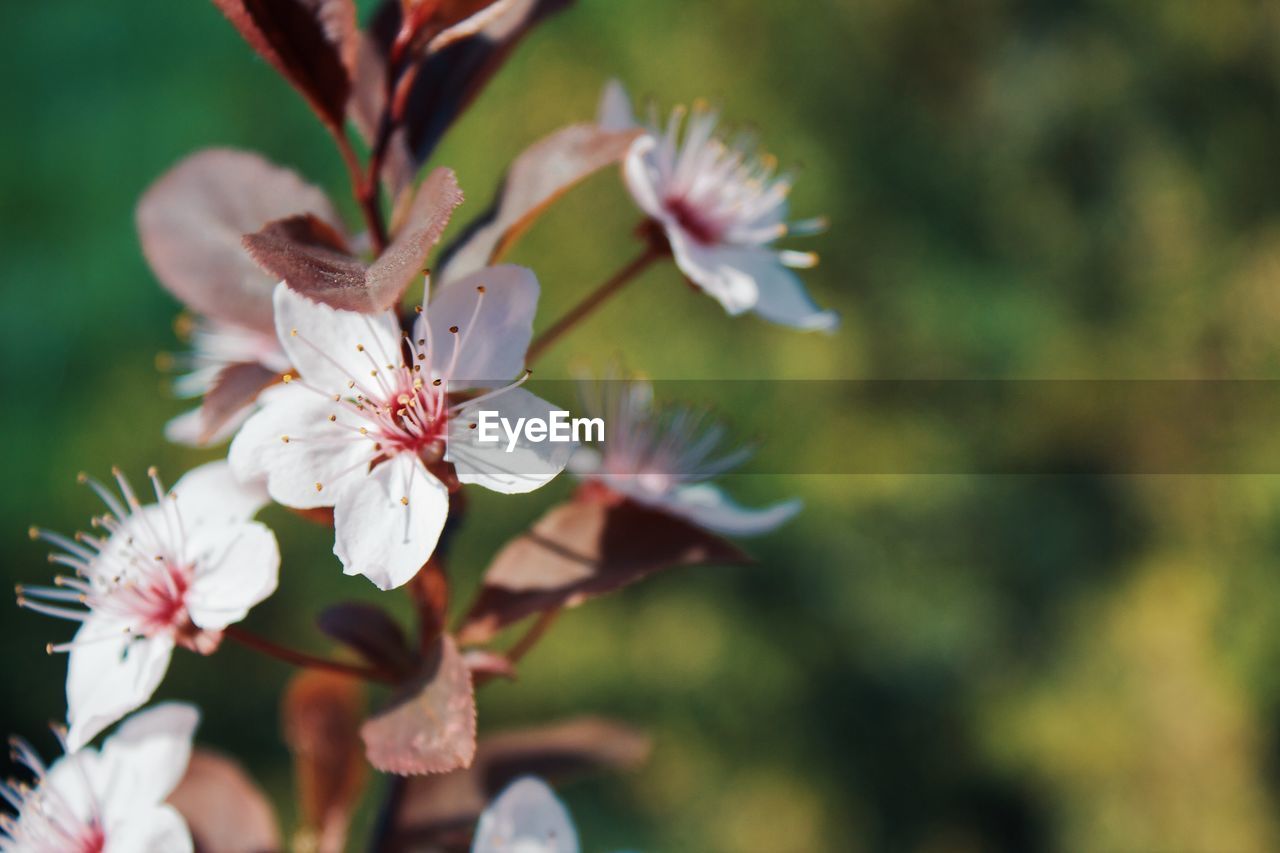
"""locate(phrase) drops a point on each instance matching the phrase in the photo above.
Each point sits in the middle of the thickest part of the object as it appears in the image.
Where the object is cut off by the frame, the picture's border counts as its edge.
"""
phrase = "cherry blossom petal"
(718, 270)
(494, 326)
(156, 830)
(615, 112)
(143, 760)
(188, 428)
(325, 348)
(387, 524)
(314, 453)
(526, 818)
(708, 507)
(640, 171)
(210, 495)
(782, 298)
(528, 466)
(236, 568)
(110, 673)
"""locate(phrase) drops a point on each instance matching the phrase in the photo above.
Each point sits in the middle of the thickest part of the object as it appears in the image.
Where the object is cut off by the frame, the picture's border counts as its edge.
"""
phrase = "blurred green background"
(950, 663)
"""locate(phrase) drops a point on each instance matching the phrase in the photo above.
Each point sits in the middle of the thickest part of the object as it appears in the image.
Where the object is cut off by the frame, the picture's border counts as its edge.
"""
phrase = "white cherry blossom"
(526, 817)
(151, 577)
(665, 456)
(108, 801)
(372, 424)
(721, 208)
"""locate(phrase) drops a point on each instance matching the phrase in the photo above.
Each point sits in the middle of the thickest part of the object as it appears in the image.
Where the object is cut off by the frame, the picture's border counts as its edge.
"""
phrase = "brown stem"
(592, 301)
(297, 658)
(368, 201)
(531, 637)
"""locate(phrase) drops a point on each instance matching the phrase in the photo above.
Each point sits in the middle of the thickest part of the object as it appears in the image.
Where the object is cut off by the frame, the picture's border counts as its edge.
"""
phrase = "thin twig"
(369, 203)
(531, 637)
(592, 301)
(297, 658)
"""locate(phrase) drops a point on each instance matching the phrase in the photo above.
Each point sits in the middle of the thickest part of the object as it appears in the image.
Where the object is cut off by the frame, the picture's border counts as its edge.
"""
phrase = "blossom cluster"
(343, 401)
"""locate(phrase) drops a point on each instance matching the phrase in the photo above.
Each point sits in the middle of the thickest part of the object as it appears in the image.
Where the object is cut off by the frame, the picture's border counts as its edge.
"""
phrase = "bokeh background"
(933, 663)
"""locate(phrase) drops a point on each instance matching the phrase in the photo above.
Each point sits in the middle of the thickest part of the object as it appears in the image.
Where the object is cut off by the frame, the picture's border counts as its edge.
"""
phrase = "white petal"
(110, 674)
(186, 428)
(782, 297)
(615, 112)
(643, 178)
(526, 817)
(494, 327)
(718, 270)
(317, 451)
(71, 778)
(377, 534)
(143, 761)
(706, 506)
(324, 350)
(211, 495)
(236, 567)
(157, 830)
(528, 466)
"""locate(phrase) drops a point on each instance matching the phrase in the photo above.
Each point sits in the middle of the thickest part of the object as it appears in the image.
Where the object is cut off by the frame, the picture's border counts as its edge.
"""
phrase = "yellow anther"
(33, 532)
(359, 347)
(287, 378)
(453, 330)
(285, 439)
(435, 382)
(333, 418)
(293, 333)
(480, 288)
(319, 487)
(405, 501)
(152, 472)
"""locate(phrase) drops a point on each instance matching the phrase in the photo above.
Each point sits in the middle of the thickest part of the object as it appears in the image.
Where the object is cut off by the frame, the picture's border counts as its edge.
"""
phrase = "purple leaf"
(448, 79)
(312, 258)
(580, 550)
(236, 386)
(443, 809)
(191, 220)
(312, 43)
(322, 712)
(537, 177)
(369, 630)
(224, 808)
(431, 727)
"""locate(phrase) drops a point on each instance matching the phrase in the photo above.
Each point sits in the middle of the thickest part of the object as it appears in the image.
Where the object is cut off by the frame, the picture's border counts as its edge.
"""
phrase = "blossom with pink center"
(216, 346)
(665, 456)
(721, 207)
(175, 572)
(107, 801)
(527, 817)
(372, 424)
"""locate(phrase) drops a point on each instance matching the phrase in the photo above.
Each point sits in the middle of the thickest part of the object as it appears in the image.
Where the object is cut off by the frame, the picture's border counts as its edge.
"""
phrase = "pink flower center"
(701, 227)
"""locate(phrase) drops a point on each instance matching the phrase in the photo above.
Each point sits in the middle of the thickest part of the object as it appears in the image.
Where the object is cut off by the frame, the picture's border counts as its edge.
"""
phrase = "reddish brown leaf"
(369, 630)
(540, 175)
(312, 258)
(224, 809)
(440, 808)
(235, 386)
(431, 728)
(191, 221)
(580, 550)
(445, 83)
(404, 259)
(312, 43)
(322, 713)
